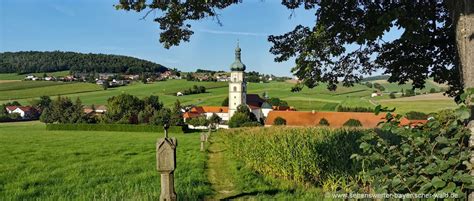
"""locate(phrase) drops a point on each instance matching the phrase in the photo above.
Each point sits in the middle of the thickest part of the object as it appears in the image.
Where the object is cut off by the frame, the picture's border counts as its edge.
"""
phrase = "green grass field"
(16, 76)
(78, 165)
(318, 98)
(52, 90)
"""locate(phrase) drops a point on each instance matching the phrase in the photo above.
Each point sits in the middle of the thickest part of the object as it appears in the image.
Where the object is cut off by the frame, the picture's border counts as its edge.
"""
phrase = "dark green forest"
(38, 62)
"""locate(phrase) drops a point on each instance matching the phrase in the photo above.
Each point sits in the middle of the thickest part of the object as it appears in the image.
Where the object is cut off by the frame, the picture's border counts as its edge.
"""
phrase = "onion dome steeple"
(237, 65)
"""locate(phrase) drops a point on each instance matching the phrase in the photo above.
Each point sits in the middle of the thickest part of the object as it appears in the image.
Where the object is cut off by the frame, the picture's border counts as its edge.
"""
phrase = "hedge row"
(114, 127)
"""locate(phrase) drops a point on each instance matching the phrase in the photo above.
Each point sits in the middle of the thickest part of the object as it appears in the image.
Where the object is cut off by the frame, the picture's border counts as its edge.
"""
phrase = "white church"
(237, 96)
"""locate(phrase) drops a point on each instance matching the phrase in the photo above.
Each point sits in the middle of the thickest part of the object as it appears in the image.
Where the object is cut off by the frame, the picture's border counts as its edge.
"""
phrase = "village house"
(99, 109)
(25, 112)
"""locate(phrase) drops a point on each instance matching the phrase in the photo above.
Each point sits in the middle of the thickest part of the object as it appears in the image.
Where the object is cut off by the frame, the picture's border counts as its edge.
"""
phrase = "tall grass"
(300, 155)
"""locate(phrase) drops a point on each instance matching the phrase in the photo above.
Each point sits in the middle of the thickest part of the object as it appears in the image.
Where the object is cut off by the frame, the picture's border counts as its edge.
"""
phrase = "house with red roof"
(25, 112)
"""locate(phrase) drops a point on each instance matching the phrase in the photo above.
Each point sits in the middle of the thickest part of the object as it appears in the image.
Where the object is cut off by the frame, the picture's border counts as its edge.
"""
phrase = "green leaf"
(395, 182)
(377, 109)
(437, 182)
(446, 150)
(442, 140)
(449, 188)
(425, 188)
(463, 113)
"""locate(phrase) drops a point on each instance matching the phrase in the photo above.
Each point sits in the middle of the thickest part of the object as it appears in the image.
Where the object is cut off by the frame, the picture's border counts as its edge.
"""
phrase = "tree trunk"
(463, 13)
(464, 18)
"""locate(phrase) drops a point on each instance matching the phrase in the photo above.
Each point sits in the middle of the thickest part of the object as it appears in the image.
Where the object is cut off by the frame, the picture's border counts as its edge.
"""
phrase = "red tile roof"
(23, 108)
(210, 109)
(335, 119)
(199, 110)
(11, 108)
(188, 115)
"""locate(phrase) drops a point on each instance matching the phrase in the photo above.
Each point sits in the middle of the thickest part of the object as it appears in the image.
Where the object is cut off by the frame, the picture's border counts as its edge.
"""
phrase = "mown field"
(16, 76)
(78, 165)
(318, 98)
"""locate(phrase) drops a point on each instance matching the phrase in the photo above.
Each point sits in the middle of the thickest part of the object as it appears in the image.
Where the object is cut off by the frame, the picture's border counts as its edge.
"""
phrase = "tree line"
(37, 62)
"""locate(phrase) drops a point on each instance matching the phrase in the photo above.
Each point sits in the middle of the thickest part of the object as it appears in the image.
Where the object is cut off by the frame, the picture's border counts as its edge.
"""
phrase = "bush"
(414, 115)
(409, 92)
(368, 84)
(323, 122)
(340, 108)
(392, 95)
(432, 90)
(430, 159)
(279, 121)
(114, 127)
(352, 123)
(300, 155)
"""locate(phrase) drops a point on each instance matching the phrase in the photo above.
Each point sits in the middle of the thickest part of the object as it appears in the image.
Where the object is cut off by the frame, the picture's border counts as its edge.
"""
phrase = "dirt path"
(221, 181)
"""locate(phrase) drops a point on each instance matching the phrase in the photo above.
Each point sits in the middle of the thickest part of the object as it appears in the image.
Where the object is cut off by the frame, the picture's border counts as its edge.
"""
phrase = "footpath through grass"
(230, 179)
(86, 165)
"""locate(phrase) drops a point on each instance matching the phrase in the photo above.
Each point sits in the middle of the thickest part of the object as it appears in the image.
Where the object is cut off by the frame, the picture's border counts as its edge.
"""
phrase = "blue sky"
(95, 26)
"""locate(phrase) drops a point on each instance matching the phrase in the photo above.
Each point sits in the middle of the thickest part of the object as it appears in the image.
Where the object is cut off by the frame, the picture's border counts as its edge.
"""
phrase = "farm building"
(25, 112)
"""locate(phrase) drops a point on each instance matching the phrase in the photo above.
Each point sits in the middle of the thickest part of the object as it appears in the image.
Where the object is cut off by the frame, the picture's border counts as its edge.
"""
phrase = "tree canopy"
(35, 62)
(431, 43)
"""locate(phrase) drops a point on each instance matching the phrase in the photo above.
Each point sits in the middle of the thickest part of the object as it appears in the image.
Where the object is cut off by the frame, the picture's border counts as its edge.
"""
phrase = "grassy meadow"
(79, 165)
(318, 98)
(16, 76)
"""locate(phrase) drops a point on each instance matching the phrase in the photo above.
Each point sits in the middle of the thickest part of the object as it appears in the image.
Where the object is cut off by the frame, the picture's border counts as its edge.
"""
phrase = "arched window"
(235, 88)
(235, 79)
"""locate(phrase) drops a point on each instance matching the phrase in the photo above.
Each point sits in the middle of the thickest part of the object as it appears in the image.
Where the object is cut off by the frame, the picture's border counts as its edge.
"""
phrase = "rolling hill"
(39, 62)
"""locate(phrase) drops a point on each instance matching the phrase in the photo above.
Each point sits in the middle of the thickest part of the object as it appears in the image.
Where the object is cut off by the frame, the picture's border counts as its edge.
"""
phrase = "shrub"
(114, 127)
(392, 95)
(279, 121)
(368, 84)
(432, 90)
(416, 115)
(238, 119)
(352, 123)
(428, 159)
(323, 122)
(341, 108)
(409, 92)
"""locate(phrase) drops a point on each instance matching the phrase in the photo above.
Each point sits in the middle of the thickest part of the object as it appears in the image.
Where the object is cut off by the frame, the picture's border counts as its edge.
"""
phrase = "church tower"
(237, 84)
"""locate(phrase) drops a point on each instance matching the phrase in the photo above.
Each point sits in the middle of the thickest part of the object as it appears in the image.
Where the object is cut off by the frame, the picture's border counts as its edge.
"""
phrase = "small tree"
(392, 95)
(323, 122)
(414, 115)
(368, 84)
(353, 123)
(214, 120)
(238, 120)
(279, 121)
(225, 102)
(176, 115)
(105, 84)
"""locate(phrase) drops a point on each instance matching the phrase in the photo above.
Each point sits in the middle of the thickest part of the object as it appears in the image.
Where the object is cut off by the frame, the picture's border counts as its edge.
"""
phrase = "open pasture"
(16, 76)
(317, 98)
(82, 165)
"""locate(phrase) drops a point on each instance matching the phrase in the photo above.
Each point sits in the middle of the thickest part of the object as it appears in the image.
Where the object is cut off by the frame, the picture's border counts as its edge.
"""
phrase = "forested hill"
(38, 62)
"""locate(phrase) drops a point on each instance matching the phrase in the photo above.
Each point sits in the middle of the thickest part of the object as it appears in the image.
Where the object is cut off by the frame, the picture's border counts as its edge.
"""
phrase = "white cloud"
(232, 32)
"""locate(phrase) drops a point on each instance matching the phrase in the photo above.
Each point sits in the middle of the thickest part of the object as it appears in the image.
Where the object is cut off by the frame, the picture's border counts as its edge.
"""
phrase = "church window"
(235, 88)
(235, 79)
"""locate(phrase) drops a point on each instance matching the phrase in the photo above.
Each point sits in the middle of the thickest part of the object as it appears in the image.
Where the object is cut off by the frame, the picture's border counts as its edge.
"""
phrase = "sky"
(91, 26)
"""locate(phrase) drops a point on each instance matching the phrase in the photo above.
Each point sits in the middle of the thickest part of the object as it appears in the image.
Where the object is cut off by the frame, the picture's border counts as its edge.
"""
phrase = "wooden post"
(203, 139)
(166, 164)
